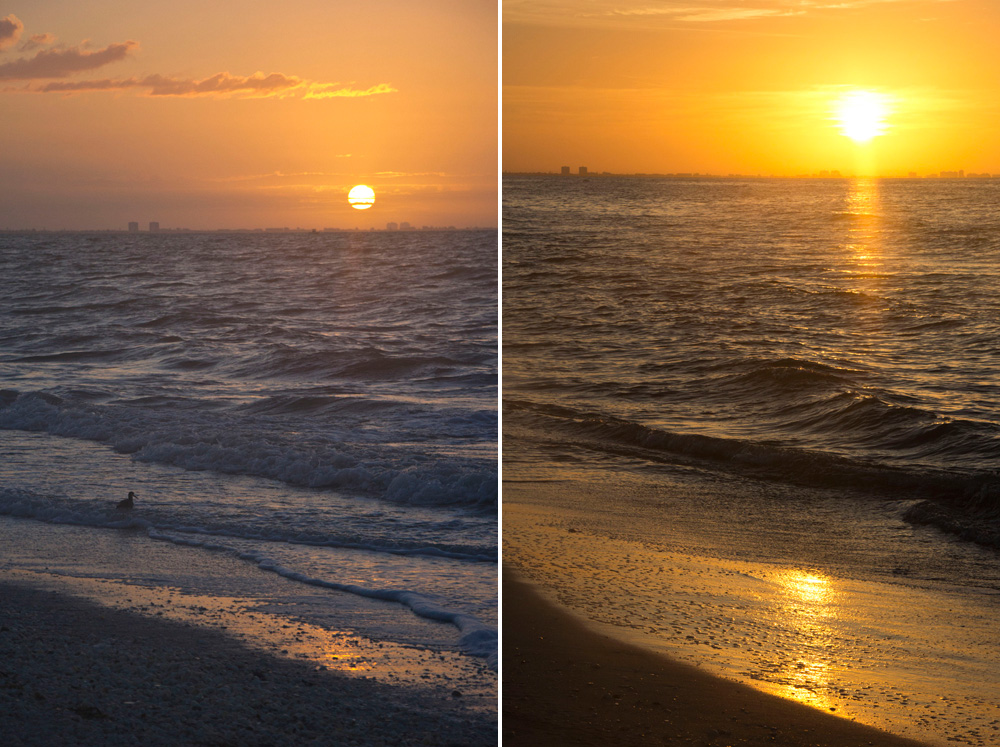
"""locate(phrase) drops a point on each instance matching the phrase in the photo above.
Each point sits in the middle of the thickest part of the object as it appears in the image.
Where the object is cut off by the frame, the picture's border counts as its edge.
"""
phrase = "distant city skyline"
(821, 174)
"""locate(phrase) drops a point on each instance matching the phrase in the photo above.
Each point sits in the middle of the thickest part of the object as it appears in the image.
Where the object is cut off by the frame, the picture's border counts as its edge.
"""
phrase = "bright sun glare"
(862, 115)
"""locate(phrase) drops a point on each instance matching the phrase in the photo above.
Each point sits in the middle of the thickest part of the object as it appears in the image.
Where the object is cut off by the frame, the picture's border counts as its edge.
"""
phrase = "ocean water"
(755, 423)
(319, 409)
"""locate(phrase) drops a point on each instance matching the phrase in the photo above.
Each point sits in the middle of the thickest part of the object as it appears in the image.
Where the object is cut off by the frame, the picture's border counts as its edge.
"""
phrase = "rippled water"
(833, 331)
(300, 400)
(754, 423)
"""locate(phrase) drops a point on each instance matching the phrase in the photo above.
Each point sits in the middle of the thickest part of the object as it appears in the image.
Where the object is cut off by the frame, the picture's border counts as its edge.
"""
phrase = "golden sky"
(749, 86)
(258, 114)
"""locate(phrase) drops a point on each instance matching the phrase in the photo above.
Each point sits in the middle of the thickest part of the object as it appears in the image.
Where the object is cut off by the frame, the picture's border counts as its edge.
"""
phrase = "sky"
(750, 86)
(208, 115)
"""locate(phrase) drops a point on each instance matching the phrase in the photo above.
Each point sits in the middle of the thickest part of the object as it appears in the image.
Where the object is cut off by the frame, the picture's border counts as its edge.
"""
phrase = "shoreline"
(565, 684)
(76, 672)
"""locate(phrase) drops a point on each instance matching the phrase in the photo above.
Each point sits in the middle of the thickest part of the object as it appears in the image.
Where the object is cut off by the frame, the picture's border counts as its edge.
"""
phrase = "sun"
(862, 115)
(361, 197)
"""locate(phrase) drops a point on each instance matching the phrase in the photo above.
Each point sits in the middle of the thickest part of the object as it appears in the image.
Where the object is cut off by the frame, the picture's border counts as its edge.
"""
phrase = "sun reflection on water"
(863, 233)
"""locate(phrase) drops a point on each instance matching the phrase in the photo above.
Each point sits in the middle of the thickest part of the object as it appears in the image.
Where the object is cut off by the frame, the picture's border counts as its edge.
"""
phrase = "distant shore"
(76, 673)
(832, 175)
(564, 684)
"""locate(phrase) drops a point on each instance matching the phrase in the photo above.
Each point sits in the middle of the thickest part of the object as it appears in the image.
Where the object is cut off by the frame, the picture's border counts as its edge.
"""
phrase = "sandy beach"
(564, 684)
(73, 672)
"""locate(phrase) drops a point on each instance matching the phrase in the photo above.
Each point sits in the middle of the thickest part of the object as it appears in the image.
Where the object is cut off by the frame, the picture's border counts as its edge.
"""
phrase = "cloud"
(10, 31)
(61, 63)
(36, 41)
(590, 13)
(704, 14)
(220, 85)
(331, 90)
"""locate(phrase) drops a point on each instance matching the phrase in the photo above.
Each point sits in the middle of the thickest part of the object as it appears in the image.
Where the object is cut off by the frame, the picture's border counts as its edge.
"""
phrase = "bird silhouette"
(128, 503)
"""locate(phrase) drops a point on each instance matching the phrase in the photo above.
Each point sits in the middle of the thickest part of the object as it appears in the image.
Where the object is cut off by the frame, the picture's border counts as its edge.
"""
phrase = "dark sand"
(564, 684)
(76, 673)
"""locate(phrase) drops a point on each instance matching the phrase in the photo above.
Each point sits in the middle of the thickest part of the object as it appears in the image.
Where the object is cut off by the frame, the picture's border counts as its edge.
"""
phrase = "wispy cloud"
(704, 14)
(61, 63)
(37, 40)
(337, 90)
(10, 31)
(599, 12)
(220, 85)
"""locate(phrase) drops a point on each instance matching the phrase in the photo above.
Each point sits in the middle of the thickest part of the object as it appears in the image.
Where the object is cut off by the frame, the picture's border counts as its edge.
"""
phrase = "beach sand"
(73, 672)
(564, 684)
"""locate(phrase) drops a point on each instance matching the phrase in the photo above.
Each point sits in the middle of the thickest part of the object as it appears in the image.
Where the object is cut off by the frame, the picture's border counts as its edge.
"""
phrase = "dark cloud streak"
(257, 85)
(159, 85)
(61, 63)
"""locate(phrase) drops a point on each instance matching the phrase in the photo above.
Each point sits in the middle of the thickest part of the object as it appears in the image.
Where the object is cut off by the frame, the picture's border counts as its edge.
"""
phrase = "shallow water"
(869, 623)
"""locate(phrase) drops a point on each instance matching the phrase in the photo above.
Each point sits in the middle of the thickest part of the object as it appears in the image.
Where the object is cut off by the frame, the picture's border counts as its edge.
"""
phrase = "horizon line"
(823, 174)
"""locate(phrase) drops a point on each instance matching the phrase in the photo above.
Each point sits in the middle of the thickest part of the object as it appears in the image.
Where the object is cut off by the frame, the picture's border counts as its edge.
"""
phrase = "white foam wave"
(203, 442)
(477, 639)
(23, 504)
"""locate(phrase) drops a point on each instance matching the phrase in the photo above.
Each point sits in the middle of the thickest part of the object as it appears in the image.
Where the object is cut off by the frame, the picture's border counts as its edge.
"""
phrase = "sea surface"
(755, 423)
(312, 413)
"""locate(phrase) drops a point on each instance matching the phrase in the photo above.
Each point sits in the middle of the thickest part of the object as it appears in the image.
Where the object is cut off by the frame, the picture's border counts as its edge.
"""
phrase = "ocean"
(308, 421)
(755, 424)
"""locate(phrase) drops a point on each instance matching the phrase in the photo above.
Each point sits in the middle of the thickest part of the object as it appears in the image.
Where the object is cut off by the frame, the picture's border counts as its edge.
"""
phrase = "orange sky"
(748, 86)
(212, 115)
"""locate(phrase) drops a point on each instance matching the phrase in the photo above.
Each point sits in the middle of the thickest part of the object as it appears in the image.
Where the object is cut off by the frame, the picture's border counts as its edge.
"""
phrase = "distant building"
(154, 227)
(583, 171)
(405, 226)
(133, 226)
(565, 171)
(391, 226)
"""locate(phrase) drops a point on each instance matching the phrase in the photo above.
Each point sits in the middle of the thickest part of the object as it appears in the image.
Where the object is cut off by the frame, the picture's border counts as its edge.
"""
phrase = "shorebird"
(127, 504)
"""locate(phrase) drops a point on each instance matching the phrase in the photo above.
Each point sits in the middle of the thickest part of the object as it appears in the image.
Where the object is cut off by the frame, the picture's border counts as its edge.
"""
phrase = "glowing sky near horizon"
(755, 86)
(203, 115)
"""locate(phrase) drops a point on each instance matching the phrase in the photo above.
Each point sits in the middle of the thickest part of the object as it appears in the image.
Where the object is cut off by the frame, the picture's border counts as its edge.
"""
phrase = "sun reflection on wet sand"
(904, 656)
(244, 619)
(812, 589)
(807, 602)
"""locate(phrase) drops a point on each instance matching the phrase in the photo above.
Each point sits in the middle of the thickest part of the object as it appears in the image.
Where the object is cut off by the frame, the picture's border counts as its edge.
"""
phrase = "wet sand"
(76, 673)
(564, 684)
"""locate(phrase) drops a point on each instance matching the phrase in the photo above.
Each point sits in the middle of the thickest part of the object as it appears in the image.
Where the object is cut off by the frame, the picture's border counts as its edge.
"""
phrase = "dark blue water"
(293, 398)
